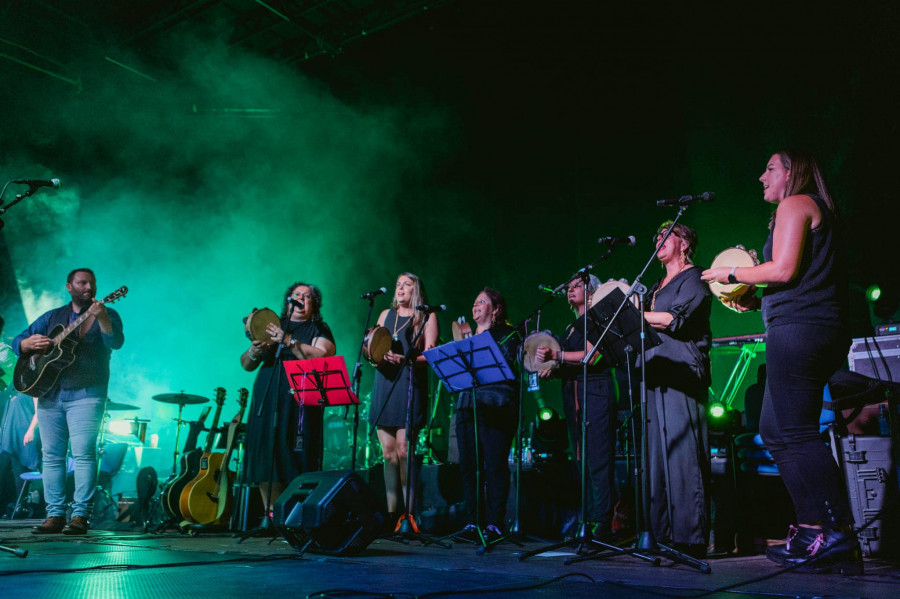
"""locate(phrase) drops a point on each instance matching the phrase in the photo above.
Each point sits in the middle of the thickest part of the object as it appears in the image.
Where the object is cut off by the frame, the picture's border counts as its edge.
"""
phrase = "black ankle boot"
(798, 539)
(831, 551)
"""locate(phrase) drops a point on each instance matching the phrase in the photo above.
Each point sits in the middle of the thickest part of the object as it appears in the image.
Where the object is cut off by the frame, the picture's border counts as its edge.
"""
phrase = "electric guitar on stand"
(36, 373)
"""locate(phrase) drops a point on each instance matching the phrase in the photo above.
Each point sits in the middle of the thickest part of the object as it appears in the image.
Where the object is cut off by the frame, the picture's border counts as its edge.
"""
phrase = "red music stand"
(321, 382)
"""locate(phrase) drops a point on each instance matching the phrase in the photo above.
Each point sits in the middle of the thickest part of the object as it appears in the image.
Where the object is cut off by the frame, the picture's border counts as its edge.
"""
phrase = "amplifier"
(876, 357)
(890, 328)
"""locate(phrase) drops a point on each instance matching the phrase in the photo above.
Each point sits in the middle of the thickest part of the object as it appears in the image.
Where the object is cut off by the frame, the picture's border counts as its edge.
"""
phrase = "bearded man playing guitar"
(71, 409)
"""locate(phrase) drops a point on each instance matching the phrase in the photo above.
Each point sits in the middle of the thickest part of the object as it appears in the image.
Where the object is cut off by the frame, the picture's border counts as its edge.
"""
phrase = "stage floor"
(152, 566)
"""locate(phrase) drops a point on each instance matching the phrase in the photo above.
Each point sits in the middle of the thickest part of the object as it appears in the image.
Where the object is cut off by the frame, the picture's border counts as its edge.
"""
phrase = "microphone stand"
(584, 541)
(357, 380)
(19, 198)
(646, 543)
(515, 530)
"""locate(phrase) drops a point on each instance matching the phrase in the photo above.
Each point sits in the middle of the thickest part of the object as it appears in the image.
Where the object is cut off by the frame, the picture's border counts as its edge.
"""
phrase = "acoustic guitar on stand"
(201, 458)
(210, 499)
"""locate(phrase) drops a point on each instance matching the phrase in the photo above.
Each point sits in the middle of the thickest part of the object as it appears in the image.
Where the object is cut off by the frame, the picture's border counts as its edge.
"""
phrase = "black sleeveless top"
(818, 295)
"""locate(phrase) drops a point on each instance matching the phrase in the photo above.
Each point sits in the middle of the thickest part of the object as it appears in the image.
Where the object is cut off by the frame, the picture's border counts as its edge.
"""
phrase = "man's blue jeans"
(77, 421)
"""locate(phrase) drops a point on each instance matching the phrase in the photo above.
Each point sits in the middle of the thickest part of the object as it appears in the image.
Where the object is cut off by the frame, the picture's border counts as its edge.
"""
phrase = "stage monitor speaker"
(332, 512)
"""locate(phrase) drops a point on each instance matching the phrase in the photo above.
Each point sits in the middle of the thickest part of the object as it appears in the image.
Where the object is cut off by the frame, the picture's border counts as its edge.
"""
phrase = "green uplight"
(716, 410)
(545, 414)
(873, 293)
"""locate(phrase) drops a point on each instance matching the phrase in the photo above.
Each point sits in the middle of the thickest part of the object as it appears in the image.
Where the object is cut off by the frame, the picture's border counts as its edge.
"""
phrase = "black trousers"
(800, 358)
(678, 466)
(496, 430)
(602, 396)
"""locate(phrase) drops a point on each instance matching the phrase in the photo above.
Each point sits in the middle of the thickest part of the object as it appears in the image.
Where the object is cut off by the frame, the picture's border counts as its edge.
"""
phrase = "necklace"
(665, 282)
(405, 324)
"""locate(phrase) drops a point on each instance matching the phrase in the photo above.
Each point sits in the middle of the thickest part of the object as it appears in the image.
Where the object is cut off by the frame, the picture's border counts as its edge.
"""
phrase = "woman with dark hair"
(493, 420)
(804, 308)
(678, 379)
(601, 407)
(296, 440)
(394, 387)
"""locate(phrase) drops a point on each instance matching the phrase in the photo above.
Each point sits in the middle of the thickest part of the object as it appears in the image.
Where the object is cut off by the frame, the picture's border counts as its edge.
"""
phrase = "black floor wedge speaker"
(332, 512)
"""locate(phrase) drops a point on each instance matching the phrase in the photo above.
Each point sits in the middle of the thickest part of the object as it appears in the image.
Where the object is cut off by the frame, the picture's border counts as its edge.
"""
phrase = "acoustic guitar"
(189, 462)
(210, 500)
(198, 456)
(36, 373)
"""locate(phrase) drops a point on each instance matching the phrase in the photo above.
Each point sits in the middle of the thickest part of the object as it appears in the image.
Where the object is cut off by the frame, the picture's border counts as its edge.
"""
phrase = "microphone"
(614, 241)
(54, 183)
(548, 289)
(707, 196)
(431, 309)
(376, 293)
(295, 302)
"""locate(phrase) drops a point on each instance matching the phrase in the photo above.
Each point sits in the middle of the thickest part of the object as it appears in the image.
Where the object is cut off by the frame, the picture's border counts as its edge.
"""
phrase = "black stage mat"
(138, 566)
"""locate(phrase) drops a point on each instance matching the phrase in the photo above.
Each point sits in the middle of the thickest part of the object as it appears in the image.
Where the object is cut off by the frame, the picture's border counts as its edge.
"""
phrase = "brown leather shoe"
(78, 525)
(51, 525)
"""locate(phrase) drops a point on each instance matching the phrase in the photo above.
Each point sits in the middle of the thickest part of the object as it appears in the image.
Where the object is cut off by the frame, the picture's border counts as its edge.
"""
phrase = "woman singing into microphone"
(395, 389)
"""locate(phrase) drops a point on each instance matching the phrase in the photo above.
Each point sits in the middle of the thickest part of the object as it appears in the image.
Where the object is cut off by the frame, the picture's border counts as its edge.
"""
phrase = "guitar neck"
(72, 327)
(220, 400)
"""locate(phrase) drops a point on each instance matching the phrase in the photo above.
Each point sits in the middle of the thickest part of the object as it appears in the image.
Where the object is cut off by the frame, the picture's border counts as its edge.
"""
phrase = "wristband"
(731, 278)
(251, 356)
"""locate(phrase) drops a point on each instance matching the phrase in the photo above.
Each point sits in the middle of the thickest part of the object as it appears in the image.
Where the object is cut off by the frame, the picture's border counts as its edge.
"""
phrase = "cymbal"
(182, 399)
(114, 406)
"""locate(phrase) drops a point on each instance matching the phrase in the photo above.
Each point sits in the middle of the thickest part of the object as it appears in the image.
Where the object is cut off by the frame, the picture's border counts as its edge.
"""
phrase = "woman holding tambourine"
(804, 307)
(602, 398)
(393, 385)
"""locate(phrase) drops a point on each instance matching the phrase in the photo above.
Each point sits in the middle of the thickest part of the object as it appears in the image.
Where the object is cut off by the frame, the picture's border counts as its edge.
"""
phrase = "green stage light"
(716, 410)
(873, 293)
(545, 414)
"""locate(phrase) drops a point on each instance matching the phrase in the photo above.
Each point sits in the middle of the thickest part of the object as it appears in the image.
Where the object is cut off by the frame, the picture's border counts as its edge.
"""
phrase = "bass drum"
(532, 343)
(731, 257)
(376, 344)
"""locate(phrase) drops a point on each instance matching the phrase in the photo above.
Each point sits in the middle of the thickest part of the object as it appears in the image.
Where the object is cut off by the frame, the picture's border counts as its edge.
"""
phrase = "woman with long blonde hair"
(398, 388)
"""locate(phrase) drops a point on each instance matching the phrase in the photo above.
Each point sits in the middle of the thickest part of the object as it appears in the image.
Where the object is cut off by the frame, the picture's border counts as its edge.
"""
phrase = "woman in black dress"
(677, 391)
(394, 388)
(602, 404)
(276, 426)
(804, 305)
(495, 415)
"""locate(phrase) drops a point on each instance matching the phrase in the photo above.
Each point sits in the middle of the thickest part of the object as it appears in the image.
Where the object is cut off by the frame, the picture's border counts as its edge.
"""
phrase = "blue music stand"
(469, 363)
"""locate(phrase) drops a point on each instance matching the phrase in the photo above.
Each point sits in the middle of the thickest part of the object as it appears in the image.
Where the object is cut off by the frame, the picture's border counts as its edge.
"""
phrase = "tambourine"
(255, 324)
(734, 256)
(376, 344)
(606, 288)
(532, 343)
(461, 329)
